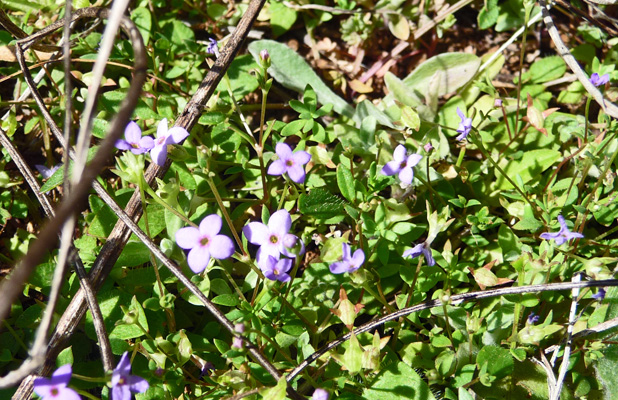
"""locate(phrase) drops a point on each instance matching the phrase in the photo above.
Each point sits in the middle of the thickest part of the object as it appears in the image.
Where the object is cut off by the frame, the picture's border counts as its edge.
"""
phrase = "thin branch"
(454, 300)
(563, 51)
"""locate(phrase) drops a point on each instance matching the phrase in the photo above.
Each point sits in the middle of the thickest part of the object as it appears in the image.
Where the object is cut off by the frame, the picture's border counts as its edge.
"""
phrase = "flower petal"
(339, 267)
(121, 392)
(391, 168)
(62, 375)
(406, 175)
(280, 223)
(159, 154)
(210, 225)
(277, 167)
(358, 258)
(284, 265)
(414, 251)
(122, 144)
(283, 151)
(176, 135)
(461, 114)
(146, 143)
(187, 238)
(428, 257)
(132, 133)
(256, 233)
(42, 387)
(563, 224)
(137, 384)
(399, 154)
(413, 159)
(301, 157)
(296, 173)
(345, 252)
(124, 366)
(221, 247)
(162, 128)
(550, 236)
(198, 259)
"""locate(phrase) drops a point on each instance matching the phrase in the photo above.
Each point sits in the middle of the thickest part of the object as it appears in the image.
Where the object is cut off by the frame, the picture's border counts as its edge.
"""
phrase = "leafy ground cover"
(380, 200)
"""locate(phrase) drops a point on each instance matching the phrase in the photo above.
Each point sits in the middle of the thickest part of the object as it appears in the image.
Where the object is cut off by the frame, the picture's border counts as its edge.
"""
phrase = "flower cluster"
(137, 144)
(290, 163)
(204, 242)
(274, 241)
(123, 383)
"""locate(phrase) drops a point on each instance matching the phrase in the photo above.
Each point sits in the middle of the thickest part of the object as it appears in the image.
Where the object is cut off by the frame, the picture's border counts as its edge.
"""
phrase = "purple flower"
(56, 386)
(213, 47)
(402, 164)
(563, 235)
(264, 56)
(349, 263)
(204, 242)
(597, 80)
(320, 394)
(464, 126)
(123, 383)
(533, 318)
(276, 270)
(600, 295)
(47, 172)
(165, 137)
(273, 238)
(134, 140)
(421, 248)
(289, 162)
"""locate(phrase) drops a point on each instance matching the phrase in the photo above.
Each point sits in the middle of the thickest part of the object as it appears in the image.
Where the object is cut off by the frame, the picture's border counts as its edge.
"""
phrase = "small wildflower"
(213, 47)
(134, 141)
(206, 368)
(402, 164)
(533, 318)
(292, 163)
(600, 295)
(239, 328)
(428, 147)
(264, 55)
(563, 235)
(204, 242)
(273, 238)
(164, 137)
(349, 263)
(123, 383)
(56, 386)
(237, 342)
(421, 248)
(276, 270)
(47, 172)
(465, 126)
(599, 80)
(320, 394)
(498, 103)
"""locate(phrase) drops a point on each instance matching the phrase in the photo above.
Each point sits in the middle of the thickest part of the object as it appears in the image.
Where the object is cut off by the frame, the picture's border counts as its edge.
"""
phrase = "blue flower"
(55, 388)
(465, 126)
(402, 164)
(292, 163)
(165, 136)
(349, 263)
(123, 383)
(274, 238)
(533, 318)
(421, 248)
(213, 47)
(597, 80)
(320, 394)
(563, 235)
(134, 141)
(276, 270)
(600, 295)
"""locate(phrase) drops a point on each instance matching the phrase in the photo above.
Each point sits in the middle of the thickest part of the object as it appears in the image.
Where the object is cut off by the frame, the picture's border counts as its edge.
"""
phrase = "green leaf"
(345, 181)
(320, 203)
(282, 18)
(293, 72)
(488, 15)
(230, 300)
(499, 360)
(530, 166)
(545, 70)
(143, 20)
(398, 382)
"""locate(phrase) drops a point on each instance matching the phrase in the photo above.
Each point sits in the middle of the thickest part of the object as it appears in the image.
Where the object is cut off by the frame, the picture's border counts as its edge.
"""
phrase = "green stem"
(215, 192)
